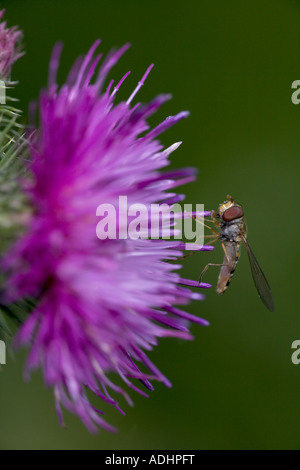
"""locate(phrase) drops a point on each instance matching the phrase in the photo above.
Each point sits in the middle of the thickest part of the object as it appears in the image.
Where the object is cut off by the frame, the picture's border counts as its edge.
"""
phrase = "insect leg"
(188, 254)
(199, 220)
(215, 236)
(215, 219)
(206, 268)
(225, 251)
(208, 243)
(213, 241)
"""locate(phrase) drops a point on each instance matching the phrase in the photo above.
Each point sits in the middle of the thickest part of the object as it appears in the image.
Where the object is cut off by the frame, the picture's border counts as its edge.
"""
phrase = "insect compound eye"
(232, 213)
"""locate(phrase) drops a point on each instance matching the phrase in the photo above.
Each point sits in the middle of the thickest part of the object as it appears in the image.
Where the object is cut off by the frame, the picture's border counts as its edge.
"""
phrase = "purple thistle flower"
(9, 47)
(101, 303)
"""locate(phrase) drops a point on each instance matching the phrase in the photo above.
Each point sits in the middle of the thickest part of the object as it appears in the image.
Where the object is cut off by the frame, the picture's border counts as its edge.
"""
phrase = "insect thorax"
(233, 231)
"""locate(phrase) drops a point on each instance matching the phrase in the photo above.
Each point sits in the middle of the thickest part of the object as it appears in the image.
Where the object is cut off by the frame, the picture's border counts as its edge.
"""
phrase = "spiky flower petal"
(9, 47)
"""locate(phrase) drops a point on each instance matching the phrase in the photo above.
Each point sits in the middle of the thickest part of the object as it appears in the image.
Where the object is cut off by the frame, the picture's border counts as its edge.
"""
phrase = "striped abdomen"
(229, 265)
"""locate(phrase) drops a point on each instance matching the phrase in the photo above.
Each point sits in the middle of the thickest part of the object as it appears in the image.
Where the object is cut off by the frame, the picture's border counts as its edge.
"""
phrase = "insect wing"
(260, 281)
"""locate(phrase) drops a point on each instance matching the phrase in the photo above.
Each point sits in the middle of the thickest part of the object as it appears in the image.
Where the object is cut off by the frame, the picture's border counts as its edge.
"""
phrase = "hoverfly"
(232, 232)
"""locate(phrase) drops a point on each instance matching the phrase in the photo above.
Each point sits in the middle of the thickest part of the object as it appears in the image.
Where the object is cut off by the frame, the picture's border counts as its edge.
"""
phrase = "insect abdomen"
(229, 264)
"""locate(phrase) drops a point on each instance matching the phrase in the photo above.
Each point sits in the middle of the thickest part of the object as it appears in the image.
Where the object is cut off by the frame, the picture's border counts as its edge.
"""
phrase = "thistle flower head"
(9, 47)
(100, 303)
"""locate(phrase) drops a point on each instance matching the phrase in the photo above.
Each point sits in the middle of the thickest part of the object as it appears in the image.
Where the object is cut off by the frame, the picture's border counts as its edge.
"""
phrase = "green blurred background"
(231, 64)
